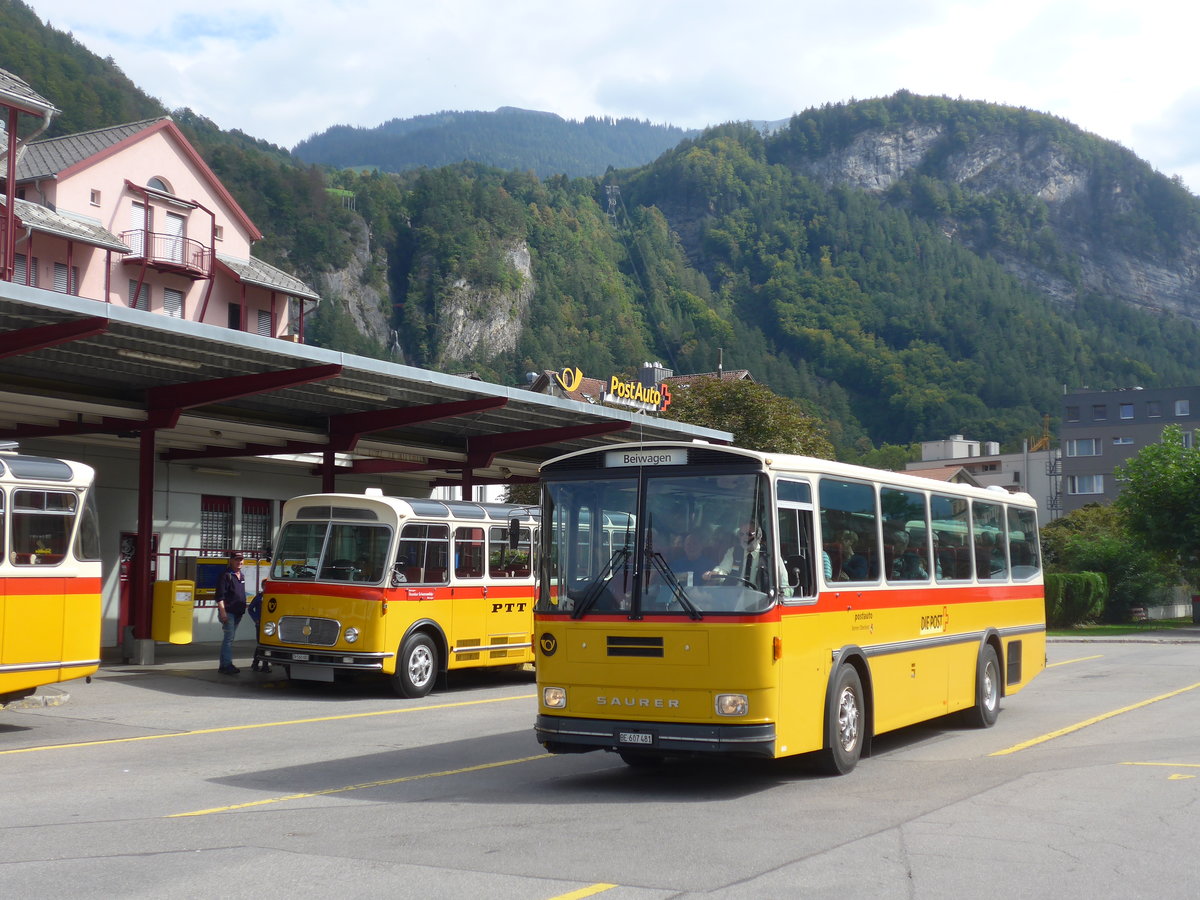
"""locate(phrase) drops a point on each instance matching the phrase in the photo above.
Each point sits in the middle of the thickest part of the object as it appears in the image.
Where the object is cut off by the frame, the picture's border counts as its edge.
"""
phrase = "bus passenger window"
(423, 552)
(468, 552)
(41, 526)
(849, 521)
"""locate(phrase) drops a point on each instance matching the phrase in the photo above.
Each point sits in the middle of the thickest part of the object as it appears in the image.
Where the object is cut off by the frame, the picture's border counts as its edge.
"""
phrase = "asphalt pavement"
(199, 660)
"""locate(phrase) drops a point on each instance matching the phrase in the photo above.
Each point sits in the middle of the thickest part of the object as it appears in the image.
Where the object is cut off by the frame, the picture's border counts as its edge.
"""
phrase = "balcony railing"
(168, 253)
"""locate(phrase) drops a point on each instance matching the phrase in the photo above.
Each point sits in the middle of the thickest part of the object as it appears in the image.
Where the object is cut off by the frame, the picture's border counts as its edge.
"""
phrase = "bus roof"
(15, 467)
(786, 464)
(417, 507)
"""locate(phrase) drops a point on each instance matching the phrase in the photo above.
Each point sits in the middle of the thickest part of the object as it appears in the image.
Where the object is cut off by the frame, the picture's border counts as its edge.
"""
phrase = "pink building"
(132, 215)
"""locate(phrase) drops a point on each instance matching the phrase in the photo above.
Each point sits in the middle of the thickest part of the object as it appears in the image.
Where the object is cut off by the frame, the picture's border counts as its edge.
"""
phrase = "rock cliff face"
(877, 159)
(366, 305)
(484, 323)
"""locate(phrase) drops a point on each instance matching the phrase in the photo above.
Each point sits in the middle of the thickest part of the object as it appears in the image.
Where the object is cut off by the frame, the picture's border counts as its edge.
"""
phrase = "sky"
(283, 70)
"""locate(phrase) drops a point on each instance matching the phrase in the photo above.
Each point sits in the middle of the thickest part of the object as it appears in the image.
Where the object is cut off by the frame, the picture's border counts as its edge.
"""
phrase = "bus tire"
(845, 723)
(987, 689)
(416, 666)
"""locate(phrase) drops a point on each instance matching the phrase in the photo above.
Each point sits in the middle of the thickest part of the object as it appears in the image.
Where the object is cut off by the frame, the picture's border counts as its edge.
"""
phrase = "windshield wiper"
(677, 591)
(619, 557)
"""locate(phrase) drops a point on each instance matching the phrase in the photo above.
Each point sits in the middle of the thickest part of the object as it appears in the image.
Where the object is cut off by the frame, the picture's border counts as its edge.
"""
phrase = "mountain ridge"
(508, 137)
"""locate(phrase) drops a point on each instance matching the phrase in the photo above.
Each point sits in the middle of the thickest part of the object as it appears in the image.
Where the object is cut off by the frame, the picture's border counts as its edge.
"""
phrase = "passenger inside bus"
(854, 565)
(907, 562)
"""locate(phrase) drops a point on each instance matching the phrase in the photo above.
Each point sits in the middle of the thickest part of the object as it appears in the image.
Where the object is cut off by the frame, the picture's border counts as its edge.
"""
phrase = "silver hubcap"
(420, 666)
(991, 696)
(848, 719)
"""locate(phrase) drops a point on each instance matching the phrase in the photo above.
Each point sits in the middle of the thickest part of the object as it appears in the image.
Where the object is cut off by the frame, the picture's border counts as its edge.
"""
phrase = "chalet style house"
(132, 215)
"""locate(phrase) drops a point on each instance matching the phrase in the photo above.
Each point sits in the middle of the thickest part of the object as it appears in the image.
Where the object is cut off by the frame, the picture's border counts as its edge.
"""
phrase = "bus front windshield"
(690, 545)
(331, 551)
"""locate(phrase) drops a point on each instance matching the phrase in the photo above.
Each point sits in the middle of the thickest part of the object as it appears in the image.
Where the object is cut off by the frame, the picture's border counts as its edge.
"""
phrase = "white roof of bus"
(784, 463)
(23, 468)
(418, 507)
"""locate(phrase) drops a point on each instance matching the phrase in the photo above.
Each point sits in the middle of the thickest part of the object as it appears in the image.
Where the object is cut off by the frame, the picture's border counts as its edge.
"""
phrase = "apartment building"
(132, 215)
(1033, 471)
(1103, 429)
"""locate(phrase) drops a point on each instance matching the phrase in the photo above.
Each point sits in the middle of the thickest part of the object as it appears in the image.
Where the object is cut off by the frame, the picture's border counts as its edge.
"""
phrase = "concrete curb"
(51, 697)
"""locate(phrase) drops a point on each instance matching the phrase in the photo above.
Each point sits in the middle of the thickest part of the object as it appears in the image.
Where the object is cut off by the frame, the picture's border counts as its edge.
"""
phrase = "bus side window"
(797, 576)
(423, 552)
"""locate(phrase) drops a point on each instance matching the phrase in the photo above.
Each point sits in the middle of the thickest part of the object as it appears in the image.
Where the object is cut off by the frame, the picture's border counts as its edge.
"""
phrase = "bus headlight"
(732, 704)
(351, 635)
(268, 628)
(554, 697)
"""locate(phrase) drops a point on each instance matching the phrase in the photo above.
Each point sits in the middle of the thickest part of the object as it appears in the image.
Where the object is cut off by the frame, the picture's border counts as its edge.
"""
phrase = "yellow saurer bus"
(49, 574)
(768, 605)
(405, 588)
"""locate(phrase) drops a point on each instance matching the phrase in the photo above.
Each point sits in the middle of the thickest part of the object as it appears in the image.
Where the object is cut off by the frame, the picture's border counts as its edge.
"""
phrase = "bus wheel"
(845, 738)
(987, 689)
(416, 667)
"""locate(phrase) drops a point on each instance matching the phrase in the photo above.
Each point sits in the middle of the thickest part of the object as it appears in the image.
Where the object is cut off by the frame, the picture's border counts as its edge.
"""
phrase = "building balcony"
(167, 253)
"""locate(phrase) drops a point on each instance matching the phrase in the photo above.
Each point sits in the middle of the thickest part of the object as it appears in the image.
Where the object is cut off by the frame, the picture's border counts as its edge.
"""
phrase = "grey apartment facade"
(1103, 429)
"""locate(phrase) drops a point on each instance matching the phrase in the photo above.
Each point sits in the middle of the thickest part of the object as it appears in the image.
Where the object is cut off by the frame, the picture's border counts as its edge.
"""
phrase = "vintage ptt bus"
(768, 605)
(405, 588)
(49, 574)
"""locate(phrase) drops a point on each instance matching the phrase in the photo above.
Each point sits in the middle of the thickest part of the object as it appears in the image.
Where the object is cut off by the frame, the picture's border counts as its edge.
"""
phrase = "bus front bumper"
(323, 658)
(561, 734)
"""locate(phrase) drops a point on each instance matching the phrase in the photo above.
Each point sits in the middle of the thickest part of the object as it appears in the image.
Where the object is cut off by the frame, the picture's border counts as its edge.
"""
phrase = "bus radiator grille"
(635, 646)
(305, 630)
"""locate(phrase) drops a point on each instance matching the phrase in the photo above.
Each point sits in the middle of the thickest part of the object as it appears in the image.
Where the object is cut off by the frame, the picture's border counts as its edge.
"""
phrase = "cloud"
(284, 71)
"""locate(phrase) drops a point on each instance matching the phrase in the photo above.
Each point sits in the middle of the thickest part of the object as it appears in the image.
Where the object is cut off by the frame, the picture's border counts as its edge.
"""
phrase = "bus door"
(509, 592)
(35, 606)
(804, 663)
(468, 609)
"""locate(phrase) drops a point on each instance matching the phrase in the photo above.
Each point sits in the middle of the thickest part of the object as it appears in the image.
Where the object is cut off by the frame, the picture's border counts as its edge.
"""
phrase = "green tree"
(1160, 497)
(1097, 538)
(758, 418)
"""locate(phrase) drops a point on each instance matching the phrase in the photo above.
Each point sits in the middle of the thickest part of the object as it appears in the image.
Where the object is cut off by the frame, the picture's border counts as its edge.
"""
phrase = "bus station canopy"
(73, 369)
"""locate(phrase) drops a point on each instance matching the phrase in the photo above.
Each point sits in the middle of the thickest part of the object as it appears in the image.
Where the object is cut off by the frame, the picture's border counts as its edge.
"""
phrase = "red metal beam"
(383, 466)
(106, 425)
(345, 430)
(216, 390)
(39, 337)
(482, 450)
(213, 452)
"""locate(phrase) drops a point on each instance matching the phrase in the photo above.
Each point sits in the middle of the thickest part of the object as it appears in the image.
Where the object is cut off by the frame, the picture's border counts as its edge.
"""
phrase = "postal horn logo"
(548, 644)
(569, 379)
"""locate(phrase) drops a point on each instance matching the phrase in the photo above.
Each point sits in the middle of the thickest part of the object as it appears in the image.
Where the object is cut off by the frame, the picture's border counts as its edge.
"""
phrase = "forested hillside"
(845, 298)
(509, 138)
(910, 267)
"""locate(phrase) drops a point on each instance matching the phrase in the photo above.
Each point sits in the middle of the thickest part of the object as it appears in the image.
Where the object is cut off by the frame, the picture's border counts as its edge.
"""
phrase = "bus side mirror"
(514, 533)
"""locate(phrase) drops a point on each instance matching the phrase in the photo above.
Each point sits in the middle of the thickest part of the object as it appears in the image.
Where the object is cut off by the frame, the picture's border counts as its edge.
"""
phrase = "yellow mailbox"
(173, 604)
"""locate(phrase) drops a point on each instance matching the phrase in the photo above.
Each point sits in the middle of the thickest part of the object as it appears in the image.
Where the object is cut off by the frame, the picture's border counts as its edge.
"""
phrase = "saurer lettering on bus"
(647, 702)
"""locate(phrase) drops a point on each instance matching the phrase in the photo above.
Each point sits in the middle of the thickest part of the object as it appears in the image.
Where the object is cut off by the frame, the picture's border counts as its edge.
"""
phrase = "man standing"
(231, 606)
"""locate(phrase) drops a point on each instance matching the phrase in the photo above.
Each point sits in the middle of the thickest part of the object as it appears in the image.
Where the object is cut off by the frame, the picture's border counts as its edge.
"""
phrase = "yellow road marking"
(229, 728)
(1165, 765)
(1067, 662)
(1092, 721)
(585, 892)
(359, 787)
